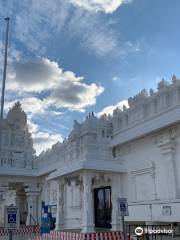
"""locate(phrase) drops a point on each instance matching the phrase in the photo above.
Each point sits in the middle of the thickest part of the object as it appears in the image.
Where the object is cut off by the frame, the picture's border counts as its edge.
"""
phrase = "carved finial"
(117, 111)
(76, 124)
(162, 84)
(144, 93)
(104, 116)
(124, 108)
(151, 92)
(17, 106)
(130, 101)
(174, 79)
(17, 115)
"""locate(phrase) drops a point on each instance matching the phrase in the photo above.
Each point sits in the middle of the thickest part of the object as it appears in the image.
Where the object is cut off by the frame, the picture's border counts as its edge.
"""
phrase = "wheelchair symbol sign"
(123, 207)
(12, 218)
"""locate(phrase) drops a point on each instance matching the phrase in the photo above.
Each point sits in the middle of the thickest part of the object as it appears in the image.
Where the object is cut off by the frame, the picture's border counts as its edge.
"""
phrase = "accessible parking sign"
(11, 217)
(123, 207)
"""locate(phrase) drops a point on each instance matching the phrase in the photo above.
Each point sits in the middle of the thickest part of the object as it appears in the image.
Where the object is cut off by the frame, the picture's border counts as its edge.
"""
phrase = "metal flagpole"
(4, 81)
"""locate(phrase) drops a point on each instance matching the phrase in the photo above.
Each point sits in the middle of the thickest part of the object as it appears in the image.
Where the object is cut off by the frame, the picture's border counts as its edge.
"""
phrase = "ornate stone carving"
(119, 152)
(151, 92)
(87, 216)
(167, 144)
(75, 195)
(174, 79)
(32, 193)
(16, 140)
(101, 179)
(137, 98)
(162, 84)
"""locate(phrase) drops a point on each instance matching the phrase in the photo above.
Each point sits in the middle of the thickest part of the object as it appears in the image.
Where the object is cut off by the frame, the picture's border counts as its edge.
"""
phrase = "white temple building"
(135, 153)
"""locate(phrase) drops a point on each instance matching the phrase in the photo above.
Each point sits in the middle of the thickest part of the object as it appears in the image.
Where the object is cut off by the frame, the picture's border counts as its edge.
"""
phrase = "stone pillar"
(32, 202)
(87, 216)
(60, 206)
(115, 185)
(133, 188)
(168, 168)
(3, 189)
(47, 192)
(21, 203)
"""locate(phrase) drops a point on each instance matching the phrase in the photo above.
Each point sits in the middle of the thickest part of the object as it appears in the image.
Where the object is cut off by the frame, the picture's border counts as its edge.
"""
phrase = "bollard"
(10, 231)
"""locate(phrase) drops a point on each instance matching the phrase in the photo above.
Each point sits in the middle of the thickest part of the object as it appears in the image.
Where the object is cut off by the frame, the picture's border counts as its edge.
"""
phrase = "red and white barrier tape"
(55, 235)
(21, 230)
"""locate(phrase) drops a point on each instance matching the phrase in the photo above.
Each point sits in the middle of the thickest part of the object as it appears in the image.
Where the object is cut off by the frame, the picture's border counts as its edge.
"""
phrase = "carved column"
(153, 175)
(168, 168)
(60, 206)
(32, 201)
(47, 192)
(87, 216)
(115, 185)
(133, 187)
(3, 189)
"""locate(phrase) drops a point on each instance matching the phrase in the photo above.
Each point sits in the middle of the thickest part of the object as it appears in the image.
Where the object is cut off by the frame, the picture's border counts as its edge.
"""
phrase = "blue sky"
(70, 57)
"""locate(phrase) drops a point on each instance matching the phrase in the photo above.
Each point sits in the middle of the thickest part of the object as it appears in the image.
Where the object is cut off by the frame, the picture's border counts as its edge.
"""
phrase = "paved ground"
(26, 237)
(18, 237)
(157, 238)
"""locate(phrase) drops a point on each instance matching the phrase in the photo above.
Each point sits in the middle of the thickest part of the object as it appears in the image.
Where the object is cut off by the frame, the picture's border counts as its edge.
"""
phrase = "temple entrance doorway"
(20, 201)
(102, 207)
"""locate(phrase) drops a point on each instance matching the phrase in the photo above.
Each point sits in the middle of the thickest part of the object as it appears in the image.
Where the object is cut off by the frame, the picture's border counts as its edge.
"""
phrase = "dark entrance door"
(102, 207)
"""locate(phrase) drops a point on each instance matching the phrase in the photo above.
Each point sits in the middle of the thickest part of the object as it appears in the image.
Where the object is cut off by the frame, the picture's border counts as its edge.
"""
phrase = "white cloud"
(109, 109)
(63, 88)
(34, 75)
(31, 105)
(33, 128)
(129, 48)
(43, 140)
(117, 79)
(96, 36)
(35, 19)
(75, 96)
(37, 23)
(13, 55)
(106, 6)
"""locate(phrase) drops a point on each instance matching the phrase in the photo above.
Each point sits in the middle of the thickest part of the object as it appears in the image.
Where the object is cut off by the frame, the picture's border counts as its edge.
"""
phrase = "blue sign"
(11, 218)
(123, 207)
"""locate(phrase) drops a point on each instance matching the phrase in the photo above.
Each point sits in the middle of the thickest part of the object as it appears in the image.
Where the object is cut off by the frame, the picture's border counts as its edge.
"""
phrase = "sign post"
(11, 219)
(123, 211)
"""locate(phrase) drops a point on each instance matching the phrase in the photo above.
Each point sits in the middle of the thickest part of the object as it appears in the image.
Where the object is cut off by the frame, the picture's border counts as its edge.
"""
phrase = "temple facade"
(133, 154)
